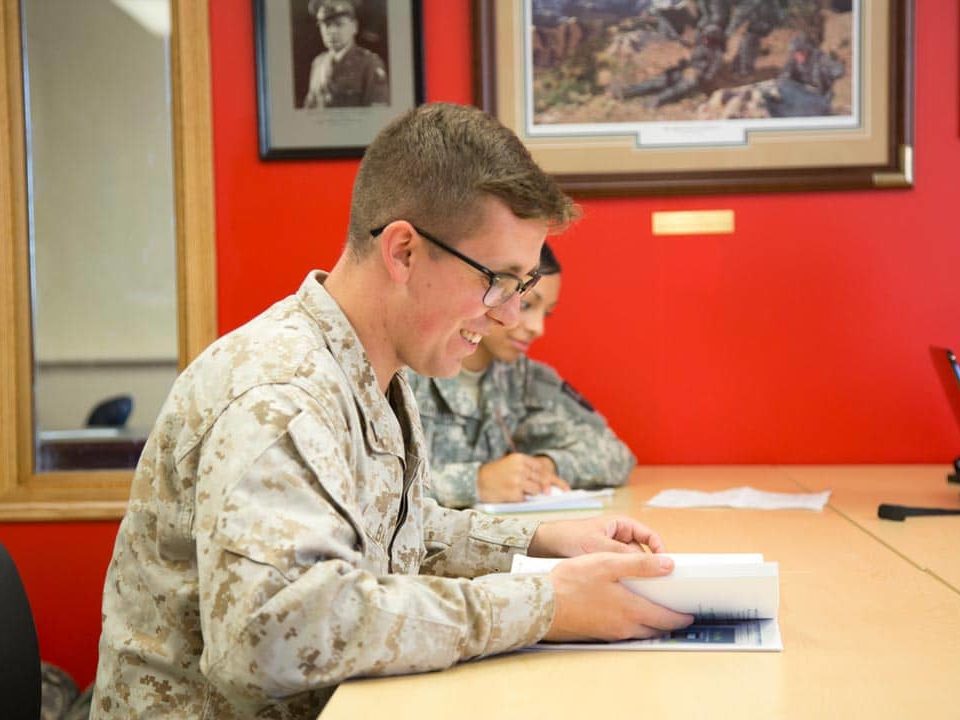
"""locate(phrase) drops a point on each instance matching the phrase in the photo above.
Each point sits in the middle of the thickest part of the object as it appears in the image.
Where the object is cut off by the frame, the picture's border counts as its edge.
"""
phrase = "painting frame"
(582, 163)
(287, 128)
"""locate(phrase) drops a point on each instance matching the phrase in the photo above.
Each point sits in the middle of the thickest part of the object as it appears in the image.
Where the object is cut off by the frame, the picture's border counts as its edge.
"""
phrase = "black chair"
(111, 413)
(19, 652)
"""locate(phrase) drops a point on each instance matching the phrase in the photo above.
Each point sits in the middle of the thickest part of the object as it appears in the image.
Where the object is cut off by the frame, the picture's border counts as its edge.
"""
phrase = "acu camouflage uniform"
(525, 402)
(277, 540)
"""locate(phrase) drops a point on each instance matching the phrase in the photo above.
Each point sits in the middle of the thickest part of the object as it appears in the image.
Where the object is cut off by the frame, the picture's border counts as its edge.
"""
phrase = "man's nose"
(507, 314)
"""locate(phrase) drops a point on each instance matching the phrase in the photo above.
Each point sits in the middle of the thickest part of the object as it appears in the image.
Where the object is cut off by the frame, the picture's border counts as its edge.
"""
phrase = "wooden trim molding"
(14, 344)
(193, 173)
(25, 494)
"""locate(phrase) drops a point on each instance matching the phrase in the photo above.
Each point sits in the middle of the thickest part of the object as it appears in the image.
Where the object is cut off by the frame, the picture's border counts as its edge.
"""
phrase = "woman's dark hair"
(549, 265)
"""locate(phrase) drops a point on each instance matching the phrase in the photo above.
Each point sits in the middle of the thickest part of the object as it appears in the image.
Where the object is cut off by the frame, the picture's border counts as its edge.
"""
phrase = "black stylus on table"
(902, 512)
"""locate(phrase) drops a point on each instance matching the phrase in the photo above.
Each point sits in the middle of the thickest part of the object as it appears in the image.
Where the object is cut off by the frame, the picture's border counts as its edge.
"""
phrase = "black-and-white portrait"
(340, 53)
(332, 73)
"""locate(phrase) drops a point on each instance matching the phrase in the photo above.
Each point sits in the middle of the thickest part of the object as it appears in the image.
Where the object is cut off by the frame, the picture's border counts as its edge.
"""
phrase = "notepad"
(558, 500)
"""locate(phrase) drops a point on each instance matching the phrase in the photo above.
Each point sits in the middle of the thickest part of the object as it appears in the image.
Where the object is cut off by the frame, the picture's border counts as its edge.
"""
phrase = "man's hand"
(591, 603)
(568, 538)
(510, 478)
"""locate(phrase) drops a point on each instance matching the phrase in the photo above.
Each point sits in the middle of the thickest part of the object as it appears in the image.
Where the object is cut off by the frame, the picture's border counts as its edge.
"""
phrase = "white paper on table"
(555, 500)
(740, 497)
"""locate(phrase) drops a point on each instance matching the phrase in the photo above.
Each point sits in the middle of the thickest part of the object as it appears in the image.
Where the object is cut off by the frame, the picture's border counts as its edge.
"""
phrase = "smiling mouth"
(471, 337)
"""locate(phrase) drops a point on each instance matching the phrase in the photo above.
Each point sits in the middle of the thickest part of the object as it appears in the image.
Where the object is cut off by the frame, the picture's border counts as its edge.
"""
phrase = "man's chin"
(446, 370)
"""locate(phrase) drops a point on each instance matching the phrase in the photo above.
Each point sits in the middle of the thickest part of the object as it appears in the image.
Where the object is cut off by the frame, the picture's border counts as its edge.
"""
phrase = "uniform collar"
(382, 427)
(340, 54)
(453, 394)
(460, 402)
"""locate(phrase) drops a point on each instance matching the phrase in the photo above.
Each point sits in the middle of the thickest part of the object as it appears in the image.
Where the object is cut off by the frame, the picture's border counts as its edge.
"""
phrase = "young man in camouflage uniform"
(277, 540)
(345, 74)
(508, 426)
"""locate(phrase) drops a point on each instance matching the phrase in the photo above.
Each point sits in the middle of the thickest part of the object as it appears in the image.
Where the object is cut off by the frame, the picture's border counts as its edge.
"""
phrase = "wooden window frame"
(75, 495)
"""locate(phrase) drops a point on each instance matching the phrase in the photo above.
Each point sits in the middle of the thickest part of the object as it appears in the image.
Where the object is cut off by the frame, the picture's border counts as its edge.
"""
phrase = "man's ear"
(397, 243)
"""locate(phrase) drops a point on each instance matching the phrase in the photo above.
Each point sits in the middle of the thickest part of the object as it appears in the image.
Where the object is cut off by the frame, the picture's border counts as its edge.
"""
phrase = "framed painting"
(703, 96)
(331, 73)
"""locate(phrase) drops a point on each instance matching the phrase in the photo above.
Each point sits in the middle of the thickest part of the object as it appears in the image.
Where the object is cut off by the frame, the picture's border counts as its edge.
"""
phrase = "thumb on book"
(629, 564)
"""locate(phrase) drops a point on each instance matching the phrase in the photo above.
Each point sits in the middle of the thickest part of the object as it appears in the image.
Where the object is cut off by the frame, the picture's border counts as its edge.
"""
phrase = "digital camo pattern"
(276, 531)
(538, 415)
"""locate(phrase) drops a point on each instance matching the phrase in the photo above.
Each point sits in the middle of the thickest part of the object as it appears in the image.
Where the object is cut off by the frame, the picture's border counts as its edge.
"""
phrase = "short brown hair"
(434, 164)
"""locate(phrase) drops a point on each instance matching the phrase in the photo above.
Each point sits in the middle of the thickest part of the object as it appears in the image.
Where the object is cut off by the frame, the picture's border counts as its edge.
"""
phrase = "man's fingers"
(607, 545)
(592, 600)
(627, 530)
(627, 564)
(613, 566)
(650, 616)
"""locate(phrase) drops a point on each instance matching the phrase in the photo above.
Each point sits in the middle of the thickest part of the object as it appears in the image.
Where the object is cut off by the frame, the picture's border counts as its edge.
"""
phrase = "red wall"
(801, 338)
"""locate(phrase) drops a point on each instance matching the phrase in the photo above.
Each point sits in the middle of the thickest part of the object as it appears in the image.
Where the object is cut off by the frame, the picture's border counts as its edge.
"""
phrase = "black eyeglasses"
(503, 286)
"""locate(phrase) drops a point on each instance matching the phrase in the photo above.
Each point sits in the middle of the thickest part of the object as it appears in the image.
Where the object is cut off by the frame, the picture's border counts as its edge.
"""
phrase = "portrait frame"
(875, 150)
(283, 34)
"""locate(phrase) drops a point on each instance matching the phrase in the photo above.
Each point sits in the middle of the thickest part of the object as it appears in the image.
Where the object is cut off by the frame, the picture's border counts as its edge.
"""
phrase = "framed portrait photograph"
(703, 96)
(332, 73)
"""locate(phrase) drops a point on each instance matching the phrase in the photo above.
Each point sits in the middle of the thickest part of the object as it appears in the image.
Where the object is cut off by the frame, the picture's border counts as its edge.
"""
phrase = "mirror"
(107, 247)
(101, 226)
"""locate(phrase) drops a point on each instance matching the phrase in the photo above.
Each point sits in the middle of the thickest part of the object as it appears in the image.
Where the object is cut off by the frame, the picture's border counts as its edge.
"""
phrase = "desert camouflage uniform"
(528, 403)
(276, 534)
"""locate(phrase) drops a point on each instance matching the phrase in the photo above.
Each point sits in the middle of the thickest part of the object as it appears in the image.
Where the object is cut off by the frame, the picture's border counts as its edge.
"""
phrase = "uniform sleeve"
(585, 450)
(453, 484)
(376, 84)
(468, 543)
(285, 602)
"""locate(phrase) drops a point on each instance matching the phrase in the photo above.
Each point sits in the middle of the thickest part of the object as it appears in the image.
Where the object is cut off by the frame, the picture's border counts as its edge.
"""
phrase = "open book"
(734, 596)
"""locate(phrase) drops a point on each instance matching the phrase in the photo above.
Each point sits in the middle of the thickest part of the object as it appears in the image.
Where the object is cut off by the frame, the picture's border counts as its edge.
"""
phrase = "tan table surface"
(866, 633)
(932, 543)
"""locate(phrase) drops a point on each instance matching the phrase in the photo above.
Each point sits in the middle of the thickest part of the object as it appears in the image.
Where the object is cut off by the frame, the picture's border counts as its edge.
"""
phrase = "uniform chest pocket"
(379, 480)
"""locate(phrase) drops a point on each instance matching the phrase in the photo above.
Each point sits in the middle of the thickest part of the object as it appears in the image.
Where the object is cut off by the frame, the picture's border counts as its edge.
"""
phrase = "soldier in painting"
(761, 18)
(691, 75)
